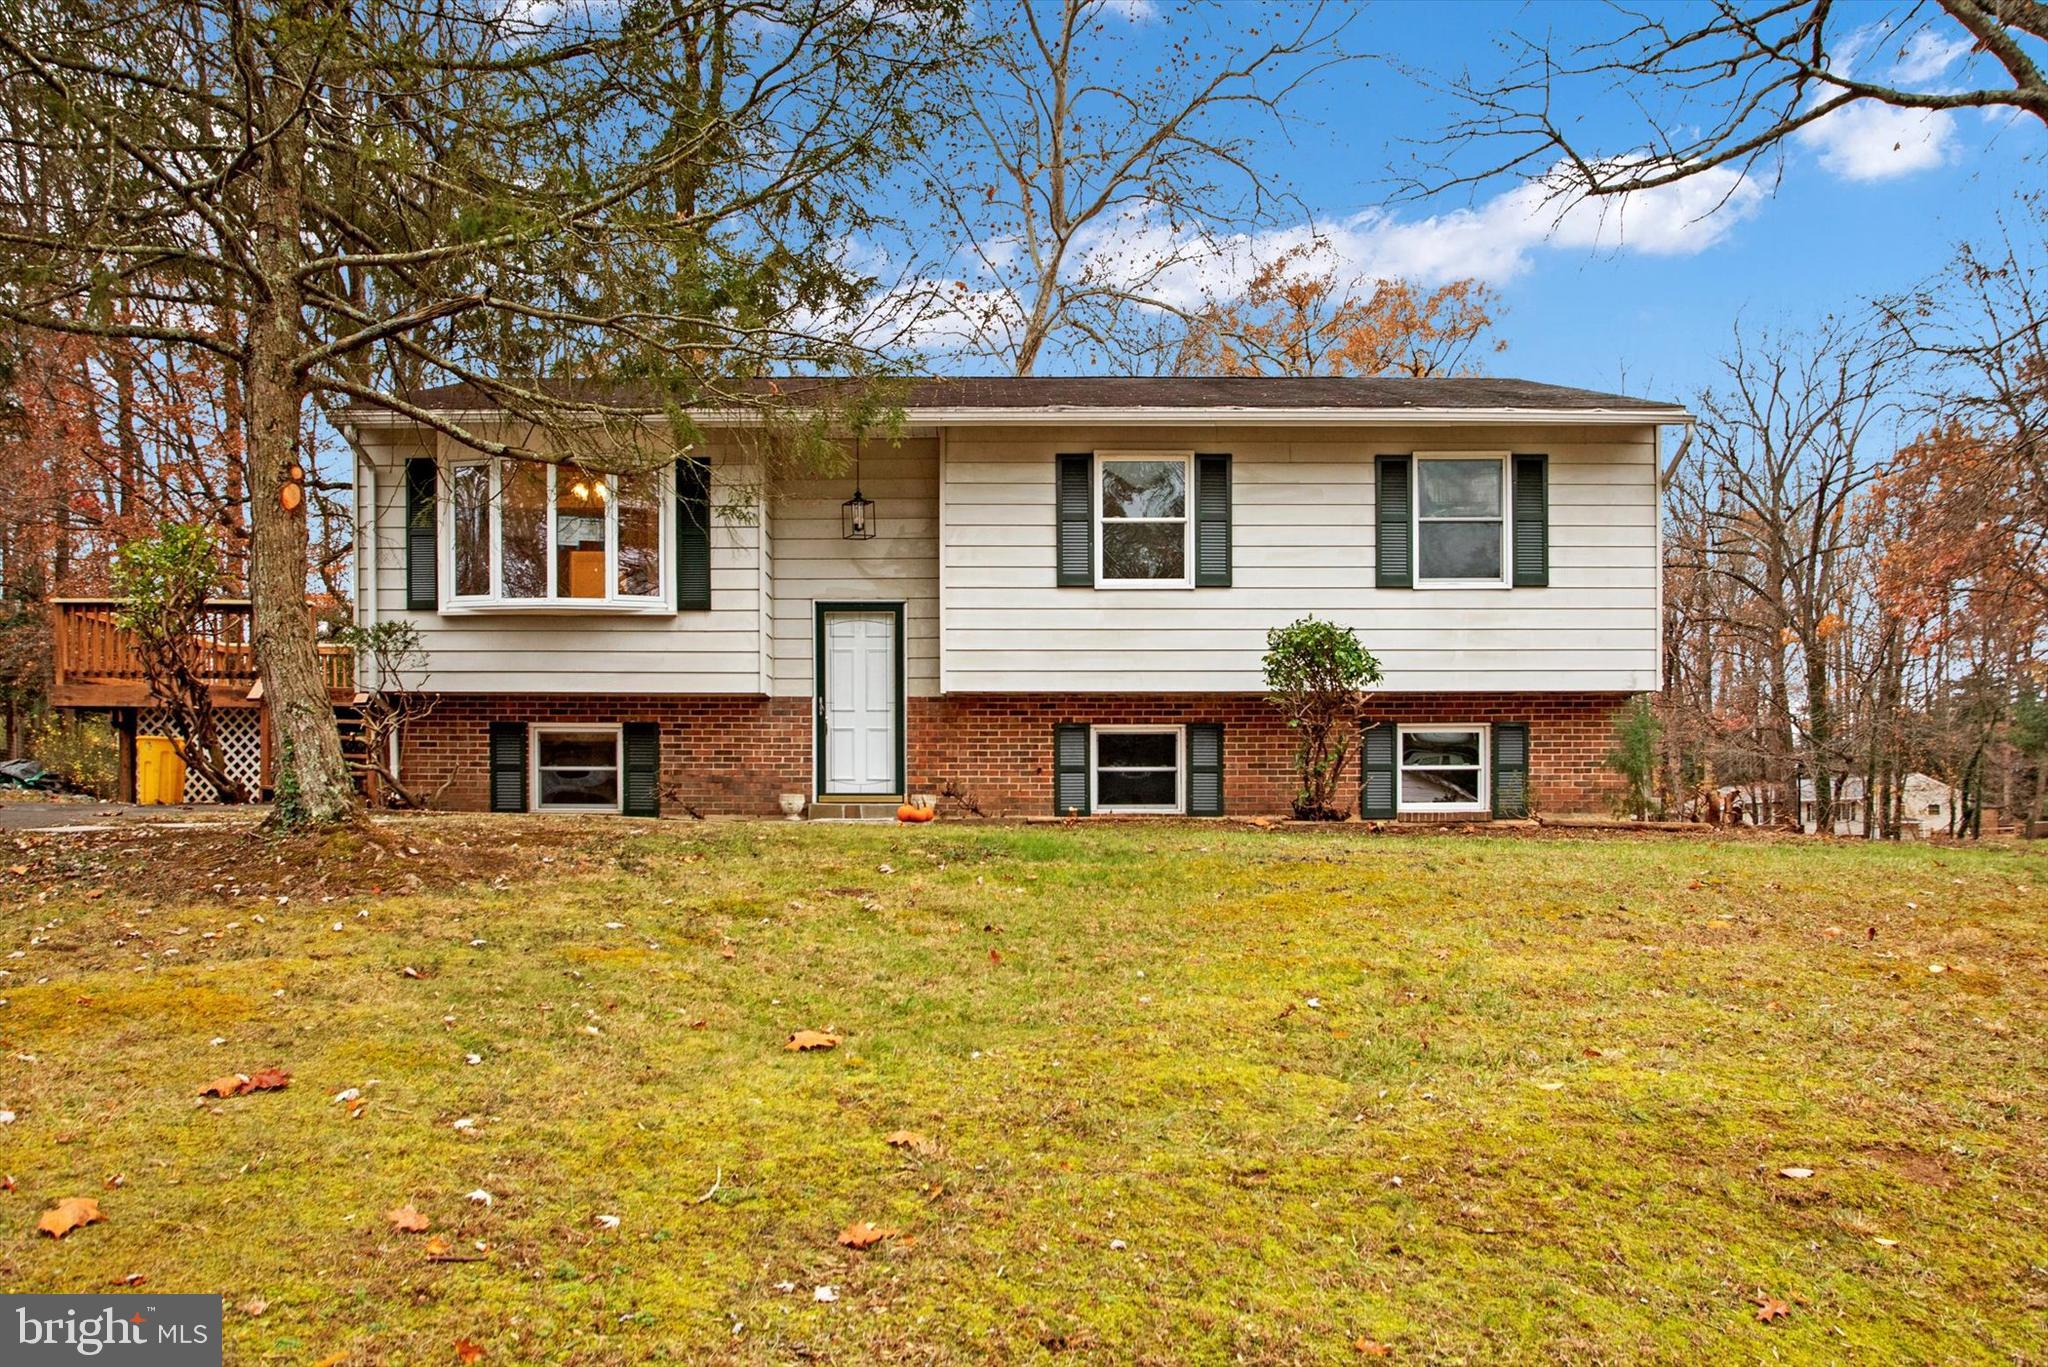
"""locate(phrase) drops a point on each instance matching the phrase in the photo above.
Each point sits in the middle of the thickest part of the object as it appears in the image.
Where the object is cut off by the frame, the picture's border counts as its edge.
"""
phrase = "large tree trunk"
(313, 785)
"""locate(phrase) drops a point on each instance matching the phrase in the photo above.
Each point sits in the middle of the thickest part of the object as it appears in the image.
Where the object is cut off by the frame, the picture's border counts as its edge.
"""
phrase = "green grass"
(1539, 1113)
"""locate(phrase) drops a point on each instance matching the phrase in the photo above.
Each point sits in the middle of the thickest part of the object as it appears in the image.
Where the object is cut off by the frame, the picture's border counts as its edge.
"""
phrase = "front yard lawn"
(1186, 1093)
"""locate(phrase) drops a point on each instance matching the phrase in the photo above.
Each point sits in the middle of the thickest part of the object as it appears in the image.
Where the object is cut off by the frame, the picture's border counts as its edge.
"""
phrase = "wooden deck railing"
(94, 652)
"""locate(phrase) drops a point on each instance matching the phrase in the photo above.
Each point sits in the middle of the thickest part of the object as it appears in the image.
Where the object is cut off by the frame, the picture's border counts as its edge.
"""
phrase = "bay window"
(525, 533)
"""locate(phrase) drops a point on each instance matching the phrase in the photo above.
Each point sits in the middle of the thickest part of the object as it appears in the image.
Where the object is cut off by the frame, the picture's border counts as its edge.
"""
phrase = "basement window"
(576, 768)
(1138, 768)
(1443, 769)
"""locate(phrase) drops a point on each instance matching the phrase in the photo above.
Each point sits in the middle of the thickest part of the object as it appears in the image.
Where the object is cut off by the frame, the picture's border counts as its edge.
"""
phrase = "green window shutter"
(1394, 550)
(1070, 770)
(508, 766)
(1511, 769)
(1212, 522)
(1532, 522)
(642, 791)
(1205, 769)
(1076, 514)
(422, 555)
(1378, 772)
(693, 535)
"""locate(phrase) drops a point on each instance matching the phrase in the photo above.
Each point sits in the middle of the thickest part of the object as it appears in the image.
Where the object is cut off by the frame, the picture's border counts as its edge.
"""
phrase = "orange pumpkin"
(906, 812)
(922, 814)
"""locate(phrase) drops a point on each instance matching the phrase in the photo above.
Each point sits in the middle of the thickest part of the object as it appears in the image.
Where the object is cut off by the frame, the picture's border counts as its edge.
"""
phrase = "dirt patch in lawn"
(171, 866)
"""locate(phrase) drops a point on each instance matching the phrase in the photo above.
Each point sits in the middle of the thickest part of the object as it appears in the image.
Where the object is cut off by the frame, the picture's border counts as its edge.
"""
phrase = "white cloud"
(1926, 56)
(1870, 141)
(1132, 11)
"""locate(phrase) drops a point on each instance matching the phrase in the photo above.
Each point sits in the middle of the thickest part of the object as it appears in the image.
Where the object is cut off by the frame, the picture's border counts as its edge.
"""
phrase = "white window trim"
(661, 603)
(1180, 770)
(1485, 802)
(1507, 513)
(535, 731)
(1187, 520)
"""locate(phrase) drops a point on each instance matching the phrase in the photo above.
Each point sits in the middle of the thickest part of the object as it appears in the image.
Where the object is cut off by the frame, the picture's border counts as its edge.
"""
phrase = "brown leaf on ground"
(467, 1352)
(132, 1279)
(912, 1140)
(1371, 1348)
(230, 1085)
(7, 1182)
(268, 1080)
(333, 1359)
(861, 1234)
(69, 1214)
(18, 869)
(406, 1220)
(1769, 1308)
(439, 1247)
(811, 1039)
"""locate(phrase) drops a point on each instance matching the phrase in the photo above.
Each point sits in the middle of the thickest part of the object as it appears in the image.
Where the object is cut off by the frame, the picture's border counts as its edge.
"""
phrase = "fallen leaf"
(994, 958)
(607, 1221)
(811, 1039)
(467, 1352)
(69, 1214)
(254, 1306)
(864, 1235)
(223, 1086)
(438, 1247)
(17, 869)
(912, 1140)
(826, 1293)
(268, 1080)
(1769, 1308)
(333, 1359)
(1372, 1348)
(132, 1279)
(406, 1220)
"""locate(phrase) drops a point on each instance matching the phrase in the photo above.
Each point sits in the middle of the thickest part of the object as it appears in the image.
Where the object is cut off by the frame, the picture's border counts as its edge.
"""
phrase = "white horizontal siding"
(720, 651)
(814, 563)
(1302, 508)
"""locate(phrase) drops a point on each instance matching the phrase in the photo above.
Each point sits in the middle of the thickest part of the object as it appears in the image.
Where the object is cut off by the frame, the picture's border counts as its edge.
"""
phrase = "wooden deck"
(97, 665)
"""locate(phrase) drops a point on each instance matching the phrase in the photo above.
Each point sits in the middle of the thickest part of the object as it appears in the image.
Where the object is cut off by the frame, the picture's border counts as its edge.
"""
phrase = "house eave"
(1073, 415)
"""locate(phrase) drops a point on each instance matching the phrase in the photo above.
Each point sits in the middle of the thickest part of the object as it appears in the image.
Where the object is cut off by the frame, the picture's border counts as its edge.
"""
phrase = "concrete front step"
(853, 811)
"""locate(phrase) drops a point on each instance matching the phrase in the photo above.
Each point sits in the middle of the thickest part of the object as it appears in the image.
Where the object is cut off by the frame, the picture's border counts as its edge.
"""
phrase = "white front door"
(860, 702)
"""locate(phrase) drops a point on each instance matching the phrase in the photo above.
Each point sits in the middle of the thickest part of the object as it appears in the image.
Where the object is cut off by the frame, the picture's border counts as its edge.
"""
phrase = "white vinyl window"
(1142, 523)
(1461, 521)
(1138, 768)
(525, 534)
(576, 768)
(1443, 768)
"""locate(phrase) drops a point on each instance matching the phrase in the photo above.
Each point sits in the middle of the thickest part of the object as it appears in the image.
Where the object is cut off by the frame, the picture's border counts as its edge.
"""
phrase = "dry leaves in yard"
(69, 1214)
(439, 1247)
(406, 1220)
(1769, 1308)
(811, 1039)
(912, 1140)
(467, 1352)
(861, 1234)
(1371, 1348)
(333, 1359)
(238, 1084)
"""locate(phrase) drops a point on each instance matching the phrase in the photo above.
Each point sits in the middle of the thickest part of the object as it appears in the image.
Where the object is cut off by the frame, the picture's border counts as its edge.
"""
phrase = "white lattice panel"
(240, 741)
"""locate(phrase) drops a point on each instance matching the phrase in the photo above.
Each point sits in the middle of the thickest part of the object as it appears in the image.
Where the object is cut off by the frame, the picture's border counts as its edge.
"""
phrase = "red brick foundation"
(990, 751)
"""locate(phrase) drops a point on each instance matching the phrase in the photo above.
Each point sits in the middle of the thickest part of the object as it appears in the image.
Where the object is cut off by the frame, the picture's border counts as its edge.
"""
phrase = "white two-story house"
(1057, 601)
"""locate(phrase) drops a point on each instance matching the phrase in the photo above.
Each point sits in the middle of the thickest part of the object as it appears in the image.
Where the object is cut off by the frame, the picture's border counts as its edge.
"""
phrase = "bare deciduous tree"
(1085, 185)
(1728, 84)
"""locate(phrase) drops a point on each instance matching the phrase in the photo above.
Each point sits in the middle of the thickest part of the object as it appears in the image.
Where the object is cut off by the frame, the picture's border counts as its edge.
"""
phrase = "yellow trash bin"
(159, 771)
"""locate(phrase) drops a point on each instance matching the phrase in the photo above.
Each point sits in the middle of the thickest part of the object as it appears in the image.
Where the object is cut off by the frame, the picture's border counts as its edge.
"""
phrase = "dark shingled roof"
(1083, 392)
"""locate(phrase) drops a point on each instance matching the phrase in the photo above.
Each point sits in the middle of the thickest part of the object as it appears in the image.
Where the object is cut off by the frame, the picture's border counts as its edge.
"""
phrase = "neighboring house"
(1927, 805)
(1063, 606)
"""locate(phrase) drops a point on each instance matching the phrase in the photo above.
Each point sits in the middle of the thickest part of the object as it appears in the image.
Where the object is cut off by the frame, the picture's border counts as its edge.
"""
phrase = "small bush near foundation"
(1317, 674)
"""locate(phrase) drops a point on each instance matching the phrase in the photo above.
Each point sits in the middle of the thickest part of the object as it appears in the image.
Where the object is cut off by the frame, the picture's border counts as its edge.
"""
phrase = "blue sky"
(1650, 308)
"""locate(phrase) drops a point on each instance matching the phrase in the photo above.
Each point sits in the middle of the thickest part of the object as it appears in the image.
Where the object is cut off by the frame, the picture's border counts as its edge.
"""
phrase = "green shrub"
(1637, 734)
(1317, 674)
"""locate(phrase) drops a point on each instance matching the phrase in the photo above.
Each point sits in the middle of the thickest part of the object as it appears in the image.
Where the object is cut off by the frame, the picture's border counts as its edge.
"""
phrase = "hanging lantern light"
(857, 514)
